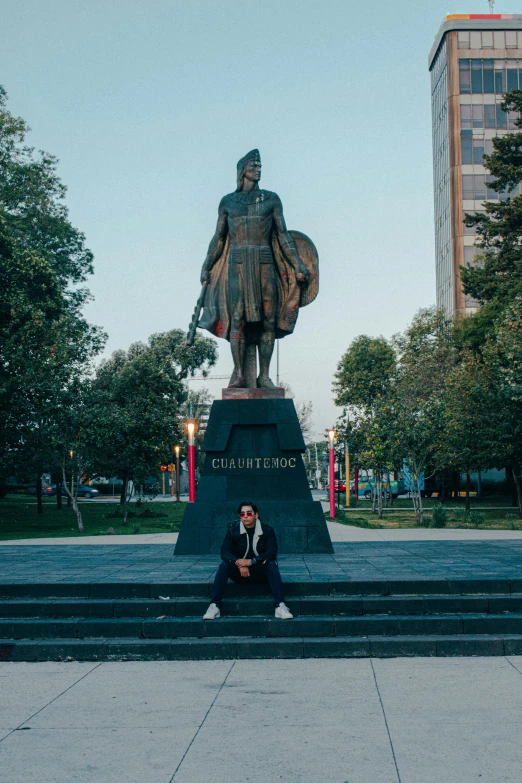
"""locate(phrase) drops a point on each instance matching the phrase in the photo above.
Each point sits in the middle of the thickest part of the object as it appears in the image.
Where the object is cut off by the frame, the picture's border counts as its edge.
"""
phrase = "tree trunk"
(59, 505)
(442, 497)
(123, 493)
(416, 494)
(74, 501)
(512, 485)
(518, 484)
(468, 486)
(39, 503)
(379, 495)
(374, 492)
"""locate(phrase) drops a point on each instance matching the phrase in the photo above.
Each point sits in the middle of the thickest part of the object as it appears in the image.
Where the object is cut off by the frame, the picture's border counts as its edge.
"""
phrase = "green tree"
(364, 372)
(32, 197)
(502, 357)
(137, 401)
(363, 386)
(426, 355)
(44, 339)
(465, 445)
(497, 279)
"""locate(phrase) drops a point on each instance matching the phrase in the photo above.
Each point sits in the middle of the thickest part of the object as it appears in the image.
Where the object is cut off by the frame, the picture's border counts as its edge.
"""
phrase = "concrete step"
(191, 589)
(256, 606)
(229, 647)
(254, 627)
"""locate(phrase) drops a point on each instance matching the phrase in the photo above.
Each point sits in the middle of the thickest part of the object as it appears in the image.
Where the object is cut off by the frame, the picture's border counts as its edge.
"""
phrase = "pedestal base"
(254, 452)
(252, 394)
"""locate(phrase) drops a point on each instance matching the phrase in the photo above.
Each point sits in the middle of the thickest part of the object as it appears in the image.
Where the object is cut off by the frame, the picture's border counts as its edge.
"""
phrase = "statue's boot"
(264, 382)
(266, 349)
(239, 383)
(237, 347)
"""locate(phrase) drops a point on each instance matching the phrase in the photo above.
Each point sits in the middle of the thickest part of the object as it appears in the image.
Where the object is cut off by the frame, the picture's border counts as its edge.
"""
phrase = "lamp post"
(331, 437)
(191, 462)
(71, 454)
(347, 471)
(176, 451)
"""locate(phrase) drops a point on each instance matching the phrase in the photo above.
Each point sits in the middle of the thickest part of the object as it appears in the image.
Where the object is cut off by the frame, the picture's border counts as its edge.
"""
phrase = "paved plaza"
(415, 720)
(351, 561)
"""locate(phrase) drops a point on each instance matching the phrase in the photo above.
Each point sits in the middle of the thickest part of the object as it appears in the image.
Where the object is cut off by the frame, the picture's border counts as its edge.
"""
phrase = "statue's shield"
(308, 255)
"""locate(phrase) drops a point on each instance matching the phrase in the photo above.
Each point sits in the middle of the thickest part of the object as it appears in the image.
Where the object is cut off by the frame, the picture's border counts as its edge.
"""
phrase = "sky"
(149, 104)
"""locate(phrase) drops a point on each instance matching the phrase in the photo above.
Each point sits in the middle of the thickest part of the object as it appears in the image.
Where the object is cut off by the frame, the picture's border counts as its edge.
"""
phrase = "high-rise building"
(475, 59)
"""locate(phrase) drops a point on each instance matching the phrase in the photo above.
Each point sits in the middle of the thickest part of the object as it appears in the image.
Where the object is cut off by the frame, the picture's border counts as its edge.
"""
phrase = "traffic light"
(163, 467)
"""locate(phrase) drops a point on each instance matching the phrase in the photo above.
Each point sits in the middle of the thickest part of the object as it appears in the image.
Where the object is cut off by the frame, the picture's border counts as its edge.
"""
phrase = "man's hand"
(302, 274)
(205, 276)
(241, 563)
(244, 571)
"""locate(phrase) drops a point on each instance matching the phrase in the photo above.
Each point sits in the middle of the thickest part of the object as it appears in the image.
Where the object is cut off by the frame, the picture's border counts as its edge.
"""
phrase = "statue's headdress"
(241, 165)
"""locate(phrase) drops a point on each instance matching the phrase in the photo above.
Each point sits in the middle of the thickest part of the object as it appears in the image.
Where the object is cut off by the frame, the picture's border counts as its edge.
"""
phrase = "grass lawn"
(19, 518)
(401, 516)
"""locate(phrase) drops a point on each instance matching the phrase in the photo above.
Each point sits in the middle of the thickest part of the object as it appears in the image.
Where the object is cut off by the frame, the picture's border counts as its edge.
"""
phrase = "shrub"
(439, 517)
(461, 516)
(476, 518)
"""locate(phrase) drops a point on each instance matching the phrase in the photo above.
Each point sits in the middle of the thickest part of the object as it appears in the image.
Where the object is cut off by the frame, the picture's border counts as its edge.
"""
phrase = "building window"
(475, 41)
(477, 113)
(468, 193)
(476, 76)
(489, 79)
(511, 39)
(489, 76)
(489, 115)
(499, 40)
(463, 39)
(512, 79)
(501, 117)
(472, 149)
(465, 115)
(469, 254)
(500, 82)
(466, 145)
(465, 77)
(487, 39)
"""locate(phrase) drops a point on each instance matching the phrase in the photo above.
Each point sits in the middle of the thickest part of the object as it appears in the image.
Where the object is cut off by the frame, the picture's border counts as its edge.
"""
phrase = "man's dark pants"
(260, 573)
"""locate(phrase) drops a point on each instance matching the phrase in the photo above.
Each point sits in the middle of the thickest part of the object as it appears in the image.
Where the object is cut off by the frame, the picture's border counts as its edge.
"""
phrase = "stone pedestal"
(254, 452)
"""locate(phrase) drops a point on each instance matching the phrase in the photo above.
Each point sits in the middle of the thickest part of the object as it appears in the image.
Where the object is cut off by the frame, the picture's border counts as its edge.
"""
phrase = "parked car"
(46, 491)
(365, 488)
(340, 486)
(84, 491)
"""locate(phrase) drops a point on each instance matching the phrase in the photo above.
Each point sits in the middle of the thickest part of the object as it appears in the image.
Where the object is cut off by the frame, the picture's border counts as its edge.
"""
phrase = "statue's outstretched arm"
(287, 243)
(217, 244)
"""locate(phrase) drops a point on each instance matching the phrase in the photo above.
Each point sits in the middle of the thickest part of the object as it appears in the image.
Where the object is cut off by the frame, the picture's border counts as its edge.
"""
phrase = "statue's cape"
(291, 295)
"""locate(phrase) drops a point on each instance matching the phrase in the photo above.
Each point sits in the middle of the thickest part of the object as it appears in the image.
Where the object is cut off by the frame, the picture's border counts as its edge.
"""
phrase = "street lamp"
(331, 438)
(191, 461)
(176, 452)
(71, 454)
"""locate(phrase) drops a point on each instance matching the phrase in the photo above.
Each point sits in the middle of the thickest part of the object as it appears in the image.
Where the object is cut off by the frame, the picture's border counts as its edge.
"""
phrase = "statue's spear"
(191, 334)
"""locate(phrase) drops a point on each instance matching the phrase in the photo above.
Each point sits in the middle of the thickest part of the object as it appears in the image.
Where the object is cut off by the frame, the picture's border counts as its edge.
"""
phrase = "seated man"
(249, 553)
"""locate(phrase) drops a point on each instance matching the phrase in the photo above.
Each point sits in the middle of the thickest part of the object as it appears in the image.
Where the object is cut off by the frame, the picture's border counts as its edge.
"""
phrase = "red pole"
(331, 436)
(191, 463)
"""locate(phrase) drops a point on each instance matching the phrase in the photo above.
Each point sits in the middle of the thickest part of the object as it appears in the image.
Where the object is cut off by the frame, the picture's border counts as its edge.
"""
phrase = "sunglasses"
(246, 513)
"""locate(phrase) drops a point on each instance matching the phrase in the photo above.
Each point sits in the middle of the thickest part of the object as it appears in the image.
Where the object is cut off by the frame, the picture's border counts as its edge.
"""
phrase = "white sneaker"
(212, 612)
(282, 612)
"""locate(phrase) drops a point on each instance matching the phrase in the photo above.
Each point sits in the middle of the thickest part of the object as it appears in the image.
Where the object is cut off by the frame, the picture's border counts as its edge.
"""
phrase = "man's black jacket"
(235, 544)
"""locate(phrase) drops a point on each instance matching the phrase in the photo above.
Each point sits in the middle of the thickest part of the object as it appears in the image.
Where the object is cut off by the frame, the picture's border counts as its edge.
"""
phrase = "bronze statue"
(256, 276)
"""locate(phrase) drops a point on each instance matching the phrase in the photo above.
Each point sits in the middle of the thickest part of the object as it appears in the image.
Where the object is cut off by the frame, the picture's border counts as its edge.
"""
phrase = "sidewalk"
(401, 720)
(338, 533)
